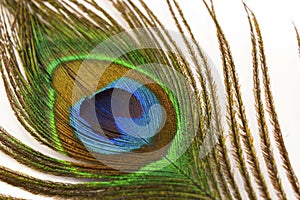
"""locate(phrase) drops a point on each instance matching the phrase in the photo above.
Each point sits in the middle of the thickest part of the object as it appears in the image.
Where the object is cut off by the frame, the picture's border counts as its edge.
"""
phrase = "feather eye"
(136, 113)
(128, 112)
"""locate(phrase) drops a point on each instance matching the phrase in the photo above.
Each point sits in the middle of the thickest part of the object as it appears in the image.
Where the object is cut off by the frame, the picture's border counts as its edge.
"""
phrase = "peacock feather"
(126, 109)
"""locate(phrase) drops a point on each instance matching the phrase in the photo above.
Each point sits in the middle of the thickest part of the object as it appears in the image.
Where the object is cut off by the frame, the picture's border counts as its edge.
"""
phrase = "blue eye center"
(101, 103)
(121, 117)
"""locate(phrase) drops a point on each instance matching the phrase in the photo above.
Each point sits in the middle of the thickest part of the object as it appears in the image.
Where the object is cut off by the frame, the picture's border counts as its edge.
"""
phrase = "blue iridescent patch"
(121, 117)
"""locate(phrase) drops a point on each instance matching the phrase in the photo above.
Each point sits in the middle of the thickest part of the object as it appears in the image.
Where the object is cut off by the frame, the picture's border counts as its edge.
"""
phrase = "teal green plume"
(134, 108)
